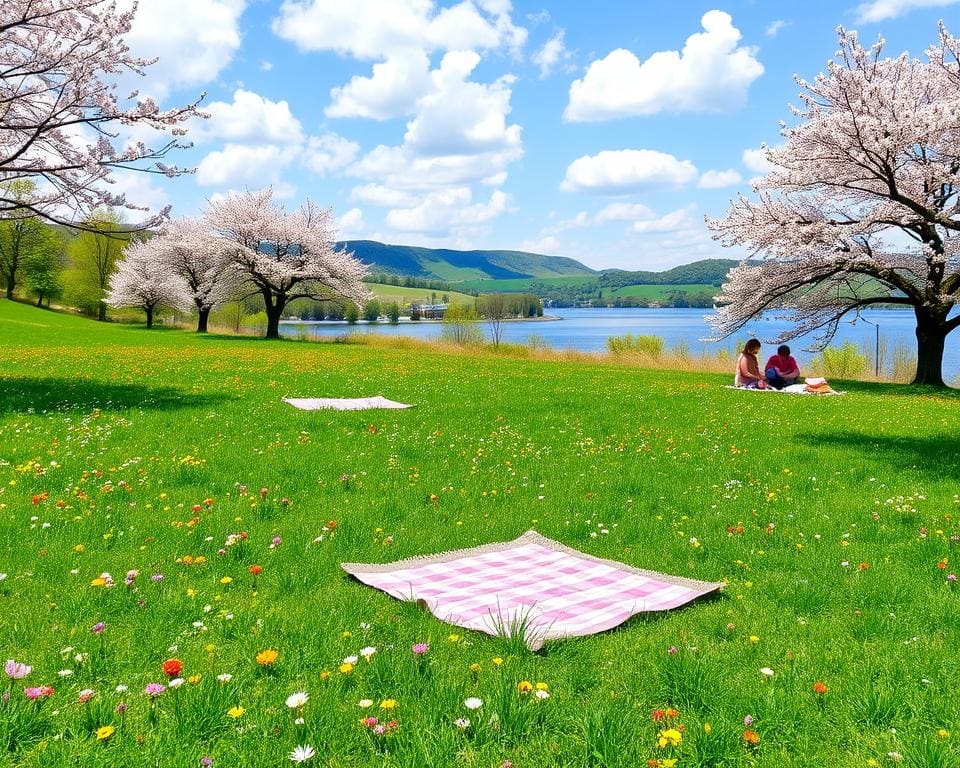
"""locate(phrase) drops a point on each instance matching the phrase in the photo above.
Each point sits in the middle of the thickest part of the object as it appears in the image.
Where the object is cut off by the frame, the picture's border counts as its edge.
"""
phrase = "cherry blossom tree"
(60, 116)
(146, 282)
(861, 207)
(285, 256)
(203, 260)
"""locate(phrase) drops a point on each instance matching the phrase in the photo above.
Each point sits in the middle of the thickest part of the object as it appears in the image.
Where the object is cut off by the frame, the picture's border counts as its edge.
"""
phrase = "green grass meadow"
(832, 520)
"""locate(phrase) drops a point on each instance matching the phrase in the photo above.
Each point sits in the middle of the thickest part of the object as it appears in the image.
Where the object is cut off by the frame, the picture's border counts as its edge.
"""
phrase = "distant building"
(431, 311)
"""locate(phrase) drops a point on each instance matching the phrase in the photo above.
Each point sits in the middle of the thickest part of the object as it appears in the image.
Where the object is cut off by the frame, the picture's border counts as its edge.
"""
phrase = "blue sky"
(603, 131)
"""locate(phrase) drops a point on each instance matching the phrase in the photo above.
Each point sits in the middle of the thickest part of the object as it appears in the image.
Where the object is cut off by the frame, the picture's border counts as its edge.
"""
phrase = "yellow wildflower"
(236, 712)
(104, 732)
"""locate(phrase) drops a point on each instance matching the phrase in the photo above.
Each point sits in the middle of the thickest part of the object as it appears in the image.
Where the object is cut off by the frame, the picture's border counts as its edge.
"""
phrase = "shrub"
(646, 346)
(460, 326)
(845, 362)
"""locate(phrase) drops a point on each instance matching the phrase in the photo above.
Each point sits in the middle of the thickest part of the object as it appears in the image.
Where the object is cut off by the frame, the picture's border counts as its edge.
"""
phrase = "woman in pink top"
(748, 367)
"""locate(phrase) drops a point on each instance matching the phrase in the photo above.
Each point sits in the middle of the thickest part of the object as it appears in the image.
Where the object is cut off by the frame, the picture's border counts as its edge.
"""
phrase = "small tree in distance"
(202, 260)
(145, 282)
(285, 256)
(861, 207)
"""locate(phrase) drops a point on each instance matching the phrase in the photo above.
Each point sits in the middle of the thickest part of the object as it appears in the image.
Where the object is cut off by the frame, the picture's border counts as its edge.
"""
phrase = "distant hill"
(703, 272)
(454, 266)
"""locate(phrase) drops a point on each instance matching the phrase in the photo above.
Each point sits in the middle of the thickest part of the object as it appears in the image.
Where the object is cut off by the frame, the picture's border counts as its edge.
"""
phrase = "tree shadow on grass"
(884, 389)
(937, 454)
(39, 395)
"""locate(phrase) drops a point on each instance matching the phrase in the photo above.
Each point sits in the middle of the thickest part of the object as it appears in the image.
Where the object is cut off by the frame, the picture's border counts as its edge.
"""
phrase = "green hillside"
(450, 265)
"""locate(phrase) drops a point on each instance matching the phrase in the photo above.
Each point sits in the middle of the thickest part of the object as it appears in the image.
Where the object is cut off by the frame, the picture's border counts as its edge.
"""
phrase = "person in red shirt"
(781, 369)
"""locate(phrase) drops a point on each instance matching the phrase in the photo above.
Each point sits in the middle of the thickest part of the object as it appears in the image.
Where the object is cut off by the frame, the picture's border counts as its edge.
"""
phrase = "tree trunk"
(149, 317)
(274, 305)
(102, 312)
(202, 322)
(931, 337)
(40, 300)
(11, 283)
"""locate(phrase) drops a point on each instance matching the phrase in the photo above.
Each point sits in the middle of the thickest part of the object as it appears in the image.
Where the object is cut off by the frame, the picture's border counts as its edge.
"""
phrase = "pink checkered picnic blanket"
(532, 585)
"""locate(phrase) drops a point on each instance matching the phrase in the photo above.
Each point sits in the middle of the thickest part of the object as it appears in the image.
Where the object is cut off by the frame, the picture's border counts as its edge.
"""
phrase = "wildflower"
(351, 660)
(15, 670)
(176, 682)
(121, 688)
(475, 668)
(85, 695)
(754, 639)
(453, 638)
(226, 580)
(154, 689)
(751, 737)
(267, 657)
(388, 704)
(156, 578)
(39, 692)
(256, 570)
(418, 649)
(820, 688)
(104, 732)
(766, 672)
(707, 728)
(194, 679)
(672, 650)
(98, 582)
(120, 708)
(298, 699)
(206, 761)
(224, 677)
(235, 712)
(462, 723)
(748, 720)
(524, 686)
(98, 628)
(302, 753)
(172, 667)
(367, 652)
(943, 733)
(365, 703)
(542, 687)
(497, 661)
(670, 737)
(346, 668)
(541, 695)
(473, 703)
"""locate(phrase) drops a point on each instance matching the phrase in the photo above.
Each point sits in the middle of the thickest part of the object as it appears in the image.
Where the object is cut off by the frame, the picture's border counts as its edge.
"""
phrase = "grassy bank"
(833, 521)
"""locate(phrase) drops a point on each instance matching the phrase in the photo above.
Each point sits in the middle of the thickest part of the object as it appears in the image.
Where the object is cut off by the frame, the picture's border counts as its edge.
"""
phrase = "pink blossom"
(15, 670)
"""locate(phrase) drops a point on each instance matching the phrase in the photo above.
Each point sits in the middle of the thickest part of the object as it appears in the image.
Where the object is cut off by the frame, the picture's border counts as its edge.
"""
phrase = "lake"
(588, 330)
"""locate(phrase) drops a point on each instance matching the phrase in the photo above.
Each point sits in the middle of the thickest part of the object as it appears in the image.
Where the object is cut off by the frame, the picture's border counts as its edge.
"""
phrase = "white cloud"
(193, 39)
(460, 117)
(266, 66)
(775, 26)
(712, 73)
(548, 245)
(377, 194)
(880, 10)
(676, 221)
(375, 29)
(238, 165)
(719, 179)
(625, 170)
(140, 190)
(756, 160)
(624, 212)
(249, 118)
(446, 209)
(554, 52)
(329, 152)
(390, 91)
(350, 225)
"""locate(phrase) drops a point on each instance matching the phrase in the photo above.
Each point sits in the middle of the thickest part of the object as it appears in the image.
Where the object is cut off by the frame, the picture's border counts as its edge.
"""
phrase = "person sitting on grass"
(748, 368)
(781, 369)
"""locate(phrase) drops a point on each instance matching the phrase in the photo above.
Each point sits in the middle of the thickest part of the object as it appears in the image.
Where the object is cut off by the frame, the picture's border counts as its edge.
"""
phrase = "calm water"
(588, 330)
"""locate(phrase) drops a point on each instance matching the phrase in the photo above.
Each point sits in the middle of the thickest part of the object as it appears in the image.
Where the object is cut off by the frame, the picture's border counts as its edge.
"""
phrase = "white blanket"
(793, 389)
(342, 404)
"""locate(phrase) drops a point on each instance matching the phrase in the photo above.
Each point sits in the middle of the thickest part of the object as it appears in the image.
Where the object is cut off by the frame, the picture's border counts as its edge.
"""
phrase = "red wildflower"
(820, 688)
(172, 667)
(256, 570)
